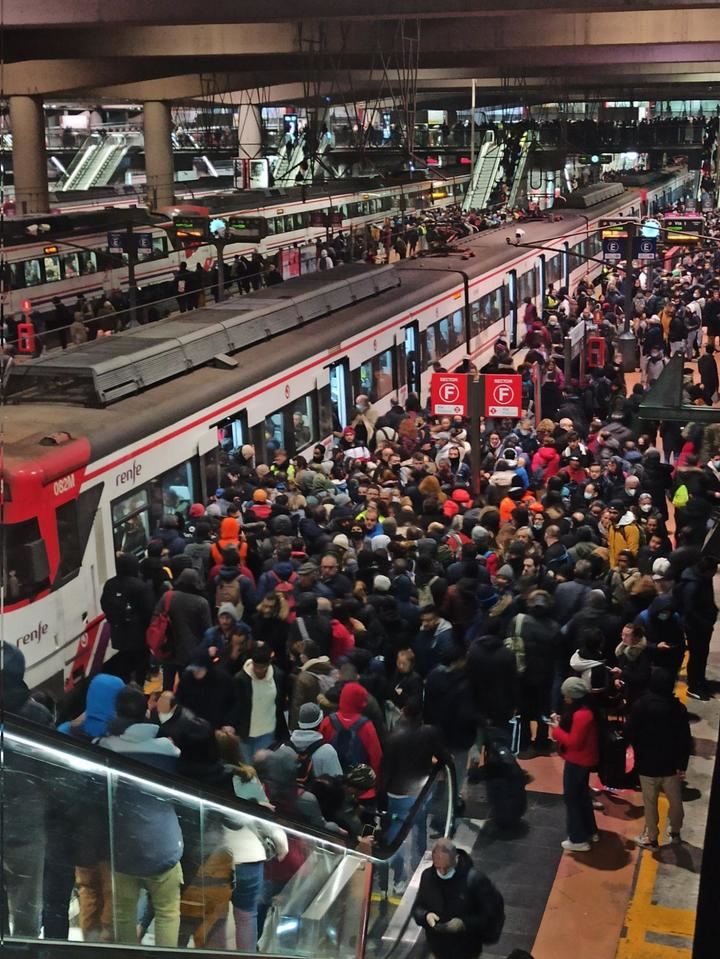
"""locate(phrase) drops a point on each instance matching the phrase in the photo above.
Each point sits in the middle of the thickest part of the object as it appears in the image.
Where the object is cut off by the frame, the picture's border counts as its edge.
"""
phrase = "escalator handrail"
(187, 789)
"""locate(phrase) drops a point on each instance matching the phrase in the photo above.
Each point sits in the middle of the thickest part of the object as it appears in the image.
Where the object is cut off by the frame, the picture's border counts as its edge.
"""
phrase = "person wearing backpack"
(536, 638)
(353, 735)
(315, 757)
(458, 906)
(317, 675)
(189, 619)
(199, 549)
(128, 603)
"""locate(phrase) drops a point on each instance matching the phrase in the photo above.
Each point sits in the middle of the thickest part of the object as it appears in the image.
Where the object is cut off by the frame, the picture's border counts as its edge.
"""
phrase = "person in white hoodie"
(315, 757)
(587, 662)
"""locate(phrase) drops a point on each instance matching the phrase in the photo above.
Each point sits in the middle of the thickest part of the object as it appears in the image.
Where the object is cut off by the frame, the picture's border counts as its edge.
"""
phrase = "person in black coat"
(207, 690)
(707, 368)
(657, 479)
(176, 721)
(449, 705)
(456, 904)
(659, 729)
(695, 596)
(492, 672)
(127, 602)
(632, 674)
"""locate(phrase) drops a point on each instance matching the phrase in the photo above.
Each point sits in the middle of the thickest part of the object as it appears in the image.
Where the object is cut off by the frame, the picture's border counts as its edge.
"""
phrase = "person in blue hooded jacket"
(80, 809)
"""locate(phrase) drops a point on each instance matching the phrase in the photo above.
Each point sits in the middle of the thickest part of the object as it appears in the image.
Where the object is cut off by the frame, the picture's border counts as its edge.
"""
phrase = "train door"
(566, 265)
(512, 308)
(408, 362)
(340, 392)
(541, 283)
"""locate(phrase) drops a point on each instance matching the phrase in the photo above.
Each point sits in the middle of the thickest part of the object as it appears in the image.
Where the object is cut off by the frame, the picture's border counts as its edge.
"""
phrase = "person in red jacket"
(546, 462)
(576, 734)
(353, 700)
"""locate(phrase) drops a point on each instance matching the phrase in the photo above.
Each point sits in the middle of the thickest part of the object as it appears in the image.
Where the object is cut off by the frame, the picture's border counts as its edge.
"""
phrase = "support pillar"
(249, 131)
(159, 164)
(27, 121)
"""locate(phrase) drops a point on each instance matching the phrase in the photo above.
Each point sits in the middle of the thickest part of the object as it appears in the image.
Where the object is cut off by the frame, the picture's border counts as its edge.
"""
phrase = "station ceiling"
(351, 50)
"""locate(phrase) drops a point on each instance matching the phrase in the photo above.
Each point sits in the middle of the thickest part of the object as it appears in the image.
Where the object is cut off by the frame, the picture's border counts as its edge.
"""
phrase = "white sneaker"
(575, 846)
(645, 842)
(596, 837)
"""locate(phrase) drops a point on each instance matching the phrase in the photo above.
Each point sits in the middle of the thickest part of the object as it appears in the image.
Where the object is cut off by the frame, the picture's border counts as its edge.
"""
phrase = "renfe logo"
(34, 636)
(64, 484)
(130, 475)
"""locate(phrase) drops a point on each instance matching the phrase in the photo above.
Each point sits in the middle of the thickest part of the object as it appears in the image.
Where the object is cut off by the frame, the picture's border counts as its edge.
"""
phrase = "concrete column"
(27, 121)
(159, 165)
(249, 131)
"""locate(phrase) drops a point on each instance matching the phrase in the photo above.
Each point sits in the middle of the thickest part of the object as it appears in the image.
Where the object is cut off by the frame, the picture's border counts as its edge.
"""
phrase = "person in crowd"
(127, 602)
(577, 734)
(258, 714)
(659, 730)
(456, 905)
(147, 839)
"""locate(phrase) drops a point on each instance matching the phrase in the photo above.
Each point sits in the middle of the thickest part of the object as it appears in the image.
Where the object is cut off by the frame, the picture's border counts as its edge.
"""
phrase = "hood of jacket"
(627, 519)
(302, 738)
(189, 581)
(229, 528)
(580, 664)
(142, 733)
(321, 665)
(15, 690)
(353, 699)
(248, 670)
(100, 704)
(631, 653)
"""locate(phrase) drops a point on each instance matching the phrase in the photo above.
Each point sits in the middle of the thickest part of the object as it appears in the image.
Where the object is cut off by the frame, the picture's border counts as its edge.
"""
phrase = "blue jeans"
(245, 898)
(399, 809)
(253, 744)
(581, 825)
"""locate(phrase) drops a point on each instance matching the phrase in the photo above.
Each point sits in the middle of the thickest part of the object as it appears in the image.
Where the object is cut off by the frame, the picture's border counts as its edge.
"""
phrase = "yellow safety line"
(643, 915)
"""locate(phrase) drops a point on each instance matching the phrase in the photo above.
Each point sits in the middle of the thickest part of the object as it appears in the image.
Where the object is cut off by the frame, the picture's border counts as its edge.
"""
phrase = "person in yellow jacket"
(624, 532)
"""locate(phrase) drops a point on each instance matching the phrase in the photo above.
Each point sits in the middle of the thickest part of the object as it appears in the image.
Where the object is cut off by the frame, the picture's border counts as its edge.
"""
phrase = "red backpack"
(286, 587)
(158, 635)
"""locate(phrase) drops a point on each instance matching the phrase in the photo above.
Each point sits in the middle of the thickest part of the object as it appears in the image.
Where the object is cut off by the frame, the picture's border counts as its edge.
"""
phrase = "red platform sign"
(503, 395)
(449, 394)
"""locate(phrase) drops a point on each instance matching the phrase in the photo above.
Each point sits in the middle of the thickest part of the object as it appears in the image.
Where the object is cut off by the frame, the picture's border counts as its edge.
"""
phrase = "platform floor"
(617, 901)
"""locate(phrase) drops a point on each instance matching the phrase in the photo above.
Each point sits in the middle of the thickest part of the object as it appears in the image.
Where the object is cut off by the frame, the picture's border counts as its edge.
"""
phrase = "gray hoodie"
(325, 760)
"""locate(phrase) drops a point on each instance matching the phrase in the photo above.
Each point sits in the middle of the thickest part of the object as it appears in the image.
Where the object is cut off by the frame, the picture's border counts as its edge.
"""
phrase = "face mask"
(360, 408)
(538, 525)
(716, 464)
(631, 492)
(588, 496)
(646, 507)
(448, 875)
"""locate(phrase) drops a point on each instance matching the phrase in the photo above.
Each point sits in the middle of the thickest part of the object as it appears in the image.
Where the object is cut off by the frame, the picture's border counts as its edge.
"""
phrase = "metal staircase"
(485, 174)
(519, 176)
(96, 162)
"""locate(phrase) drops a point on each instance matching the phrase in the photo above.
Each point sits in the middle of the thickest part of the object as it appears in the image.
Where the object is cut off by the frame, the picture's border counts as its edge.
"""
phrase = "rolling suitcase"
(505, 785)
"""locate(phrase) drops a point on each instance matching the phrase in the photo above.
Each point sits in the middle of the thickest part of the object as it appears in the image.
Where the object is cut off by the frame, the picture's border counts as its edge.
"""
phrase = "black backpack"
(492, 907)
(348, 745)
(305, 775)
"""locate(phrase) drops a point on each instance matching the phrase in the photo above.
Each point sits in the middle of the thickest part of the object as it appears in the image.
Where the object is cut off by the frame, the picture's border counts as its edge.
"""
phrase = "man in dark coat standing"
(458, 906)
(707, 368)
(127, 602)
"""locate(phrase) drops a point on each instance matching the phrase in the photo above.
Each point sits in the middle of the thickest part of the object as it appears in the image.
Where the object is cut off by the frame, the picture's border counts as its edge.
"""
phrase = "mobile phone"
(367, 832)
(549, 720)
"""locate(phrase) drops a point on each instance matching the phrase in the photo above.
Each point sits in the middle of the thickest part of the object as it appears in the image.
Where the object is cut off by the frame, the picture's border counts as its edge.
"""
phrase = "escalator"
(329, 897)
(485, 174)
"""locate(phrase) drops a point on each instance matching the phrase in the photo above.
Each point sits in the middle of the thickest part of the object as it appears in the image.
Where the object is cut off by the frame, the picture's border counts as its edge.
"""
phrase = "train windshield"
(26, 571)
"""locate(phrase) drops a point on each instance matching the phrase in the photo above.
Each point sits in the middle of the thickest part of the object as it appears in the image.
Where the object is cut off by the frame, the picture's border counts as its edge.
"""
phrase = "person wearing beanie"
(207, 690)
(315, 756)
(576, 734)
(147, 839)
(381, 584)
(261, 695)
(352, 734)
(196, 511)
(506, 573)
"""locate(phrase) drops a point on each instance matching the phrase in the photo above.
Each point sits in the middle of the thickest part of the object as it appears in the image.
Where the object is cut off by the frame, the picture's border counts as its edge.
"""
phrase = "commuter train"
(85, 479)
(66, 254)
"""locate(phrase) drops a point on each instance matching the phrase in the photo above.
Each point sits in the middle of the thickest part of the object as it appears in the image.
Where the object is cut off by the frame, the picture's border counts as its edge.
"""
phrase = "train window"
(26, 570)
(172, 492)
(429, 347)
(526, 285)
(457, 329)
(475, 318)
(71, 551)
(271, 225)
(33, 273)
(52, 269)
(442, 336)
(131, 522)
(15, 276)
(376, 376)
(70, 265)
(303, 427)
(553, 269)
(292, 428)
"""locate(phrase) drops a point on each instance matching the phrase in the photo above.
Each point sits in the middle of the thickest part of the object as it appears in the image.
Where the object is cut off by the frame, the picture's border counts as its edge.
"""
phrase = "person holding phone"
(576, 733)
